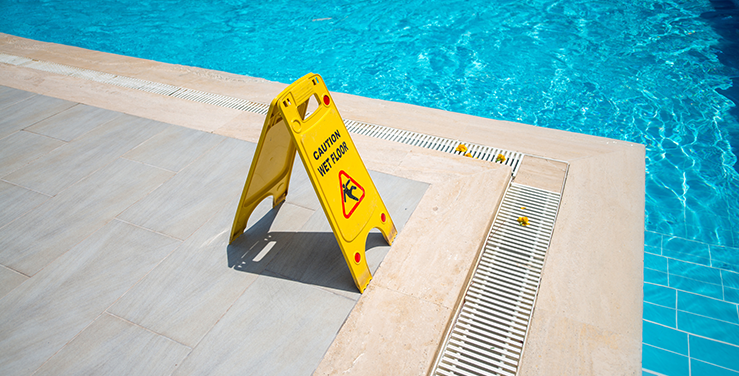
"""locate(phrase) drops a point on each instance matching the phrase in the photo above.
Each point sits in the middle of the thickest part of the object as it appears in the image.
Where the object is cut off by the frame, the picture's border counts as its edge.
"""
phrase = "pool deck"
(187, 309)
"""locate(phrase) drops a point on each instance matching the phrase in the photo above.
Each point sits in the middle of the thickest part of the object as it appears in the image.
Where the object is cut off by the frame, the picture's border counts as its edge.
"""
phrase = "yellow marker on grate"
(347, 194)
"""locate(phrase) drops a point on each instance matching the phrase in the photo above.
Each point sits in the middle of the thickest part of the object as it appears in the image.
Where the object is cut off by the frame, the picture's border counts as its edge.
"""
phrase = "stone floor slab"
(111, 346)
(186, 295)
(23, 147)
(195, 194)
(36, 239)
(300, 190)
(28, 112)
(74, 122)
(278, 327)
(40, 316)
(10, 96)
(174, 148)
(68, 164)
(9, 279)
(16, 201)
(313, 255)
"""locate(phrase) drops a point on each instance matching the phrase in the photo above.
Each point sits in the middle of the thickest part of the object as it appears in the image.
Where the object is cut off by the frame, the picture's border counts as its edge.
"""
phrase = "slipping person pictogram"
(351, 189)
(348, 191)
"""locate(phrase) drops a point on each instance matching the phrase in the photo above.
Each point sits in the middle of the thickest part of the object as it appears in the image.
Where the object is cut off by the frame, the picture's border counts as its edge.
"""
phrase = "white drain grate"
(222, 100)
(13, 60)
(485, 153)
(488, 335)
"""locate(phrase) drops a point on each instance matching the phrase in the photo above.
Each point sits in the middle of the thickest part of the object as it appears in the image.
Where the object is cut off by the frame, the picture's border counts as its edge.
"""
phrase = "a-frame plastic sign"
(344, 187)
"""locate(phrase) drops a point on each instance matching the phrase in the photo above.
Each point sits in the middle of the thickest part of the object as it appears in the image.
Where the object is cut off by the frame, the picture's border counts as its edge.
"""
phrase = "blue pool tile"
(653, 239)
(664, 362)
(655, 262)
(646, 373)
(712, 308)
(696, 287)
(721, 354)
(659, 314)
(675, 244)
(706, 327)
(660, 295)
(730, 279)
(687, 257)
(653, 250)
(653, 276)
(698, 368)
(694, 271)
(725, 258)
(665, 338)
(731, 295)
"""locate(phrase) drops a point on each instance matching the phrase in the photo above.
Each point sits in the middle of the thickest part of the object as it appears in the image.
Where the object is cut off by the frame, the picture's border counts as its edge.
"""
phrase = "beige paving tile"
(40, 316)
(400, 341)
(598, 240)
(246, 126)
(278, 327)
(16, 201)
(579, 348)
(73, 122)
(68, 164)
(190, 291)
(9, 279)
(542, 173)
(111, 346)
(28, 112)
(196, 193)
(174, 148)
(23, 147)
(431, 258)
(36, 239)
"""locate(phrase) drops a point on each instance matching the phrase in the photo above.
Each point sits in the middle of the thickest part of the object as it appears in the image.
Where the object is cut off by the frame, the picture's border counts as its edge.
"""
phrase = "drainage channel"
(483, 152)
(489, 332)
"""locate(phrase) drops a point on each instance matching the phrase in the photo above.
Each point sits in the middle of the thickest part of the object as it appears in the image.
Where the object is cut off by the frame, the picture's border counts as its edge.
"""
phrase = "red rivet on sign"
(326, 100)
(357, 257)
(382, 217)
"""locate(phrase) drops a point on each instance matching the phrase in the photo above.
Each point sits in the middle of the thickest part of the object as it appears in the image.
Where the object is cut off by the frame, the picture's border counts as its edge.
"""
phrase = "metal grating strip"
(489, 331)
(13, 60)
(446, 145)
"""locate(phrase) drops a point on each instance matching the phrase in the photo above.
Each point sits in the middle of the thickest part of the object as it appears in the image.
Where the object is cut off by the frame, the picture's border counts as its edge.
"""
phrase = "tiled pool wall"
(691, 311)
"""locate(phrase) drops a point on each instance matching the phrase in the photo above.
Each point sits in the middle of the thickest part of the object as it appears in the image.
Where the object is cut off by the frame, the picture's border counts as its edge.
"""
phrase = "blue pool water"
(658, 72)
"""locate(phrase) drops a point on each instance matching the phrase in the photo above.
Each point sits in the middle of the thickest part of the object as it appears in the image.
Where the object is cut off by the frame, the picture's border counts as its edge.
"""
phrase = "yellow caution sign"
(341, 181)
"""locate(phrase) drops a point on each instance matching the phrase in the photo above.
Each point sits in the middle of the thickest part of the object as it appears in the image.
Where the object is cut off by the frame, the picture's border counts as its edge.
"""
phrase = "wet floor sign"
(344, 187)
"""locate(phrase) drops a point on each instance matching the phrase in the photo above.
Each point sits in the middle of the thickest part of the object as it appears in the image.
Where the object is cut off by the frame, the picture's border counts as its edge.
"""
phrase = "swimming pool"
(653, 72)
